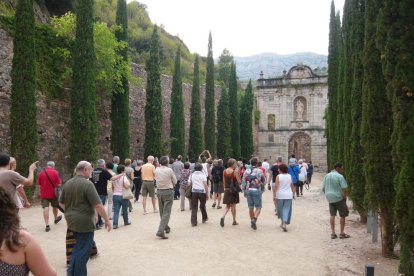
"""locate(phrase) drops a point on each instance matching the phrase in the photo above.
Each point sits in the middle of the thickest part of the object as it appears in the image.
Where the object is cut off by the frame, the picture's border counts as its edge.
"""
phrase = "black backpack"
(216, 175)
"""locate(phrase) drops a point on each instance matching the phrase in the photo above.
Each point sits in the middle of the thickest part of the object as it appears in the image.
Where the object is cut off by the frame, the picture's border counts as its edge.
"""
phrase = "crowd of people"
(95, 196)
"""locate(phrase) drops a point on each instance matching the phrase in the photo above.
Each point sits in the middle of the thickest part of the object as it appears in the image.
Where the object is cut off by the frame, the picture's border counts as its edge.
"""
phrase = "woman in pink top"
(120, 182)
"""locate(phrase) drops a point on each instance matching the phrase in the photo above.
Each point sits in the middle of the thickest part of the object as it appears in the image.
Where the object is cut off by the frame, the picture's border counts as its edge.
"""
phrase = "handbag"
(189, 192)
(57, 190)
(127, 193)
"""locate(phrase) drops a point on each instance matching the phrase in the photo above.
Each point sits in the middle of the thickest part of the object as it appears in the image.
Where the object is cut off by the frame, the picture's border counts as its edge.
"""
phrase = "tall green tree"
(83, 121)
(177, 120)
(153, 109)
(224, 66)
(333, 75)
(356, 154)
(397, 23)
(195, 144)
(376, 128)
(234, 114)
(23, 125)
(246, 123)
(120, 134)
(210, 115)
(223, 125)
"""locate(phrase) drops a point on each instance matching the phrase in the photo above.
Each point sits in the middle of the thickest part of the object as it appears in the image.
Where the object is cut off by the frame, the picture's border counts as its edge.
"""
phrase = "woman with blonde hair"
(19, 251)
(21, 198)
(231, 184)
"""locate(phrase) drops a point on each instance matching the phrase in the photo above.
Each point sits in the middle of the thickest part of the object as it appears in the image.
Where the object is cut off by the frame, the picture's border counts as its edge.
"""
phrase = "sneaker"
(155, 211)
(59, 218)
(219, 207)
(128, 223)
(253, 224)
(162, 236)
(222, 222)
(204, 220)
(47, 229)
(167, 230)
(115, 227)
(214, 205)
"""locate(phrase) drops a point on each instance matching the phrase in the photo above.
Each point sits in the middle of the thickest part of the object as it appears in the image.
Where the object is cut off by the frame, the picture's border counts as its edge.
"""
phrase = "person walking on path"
(231, 183)
(185, 176)
(119, 183)
(20, 252)
(137, 180)
(302, 176)
(217, 179)
(166, 180)
(48, 180)
(283, 193)
(177, 167)
(310, 172)
(294, 171)
(10, 180)
(336, 191)
(148, 185)
(199, 194)
(274, 171)
(79, 199)
(109, 166)
(115, 161)
(100, 177)
(129, 173)
(21, 198)
(253, 186)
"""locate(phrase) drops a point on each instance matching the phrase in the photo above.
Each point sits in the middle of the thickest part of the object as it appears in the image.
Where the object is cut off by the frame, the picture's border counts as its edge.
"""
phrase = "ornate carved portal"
(300, 145)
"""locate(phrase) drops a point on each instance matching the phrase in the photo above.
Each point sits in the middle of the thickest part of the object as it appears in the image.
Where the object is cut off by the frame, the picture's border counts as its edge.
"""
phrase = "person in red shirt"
(48, 180)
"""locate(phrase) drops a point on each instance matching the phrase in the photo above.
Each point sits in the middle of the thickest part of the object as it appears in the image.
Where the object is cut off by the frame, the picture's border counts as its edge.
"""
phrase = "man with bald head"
(79, 199)
(148, 185)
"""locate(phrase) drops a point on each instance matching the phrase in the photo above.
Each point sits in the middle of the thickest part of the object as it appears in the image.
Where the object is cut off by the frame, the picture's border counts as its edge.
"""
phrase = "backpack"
(252, 180)
(216, 176)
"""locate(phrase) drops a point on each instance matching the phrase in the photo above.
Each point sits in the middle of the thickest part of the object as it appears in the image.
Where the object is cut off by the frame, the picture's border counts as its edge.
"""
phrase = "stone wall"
(53, 119)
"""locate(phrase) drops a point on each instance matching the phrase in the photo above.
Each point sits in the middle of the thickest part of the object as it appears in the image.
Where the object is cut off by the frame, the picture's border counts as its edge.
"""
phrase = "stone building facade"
(292, 121)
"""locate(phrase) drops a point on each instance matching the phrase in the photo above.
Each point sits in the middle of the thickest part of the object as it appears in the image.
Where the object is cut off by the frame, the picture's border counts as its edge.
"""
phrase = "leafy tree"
(153, 109)
(234, 114)
(355, 158)
(120, 134)
(177, 120)
(333, 64)
(246, 123)
(376, 128)
(83, 121)
(210, 115)
(396, 41)
(223, 125)
(23, 126)
(195, 145)
(224, 66)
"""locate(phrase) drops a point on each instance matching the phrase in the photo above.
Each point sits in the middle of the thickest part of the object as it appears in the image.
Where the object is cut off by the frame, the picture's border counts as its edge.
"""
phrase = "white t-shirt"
(266, 166)
(284, 191)
(197, 180)
(303, 173)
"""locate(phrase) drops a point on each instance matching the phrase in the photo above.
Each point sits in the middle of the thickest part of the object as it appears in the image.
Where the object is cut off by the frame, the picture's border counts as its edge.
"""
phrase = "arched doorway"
(300, 145)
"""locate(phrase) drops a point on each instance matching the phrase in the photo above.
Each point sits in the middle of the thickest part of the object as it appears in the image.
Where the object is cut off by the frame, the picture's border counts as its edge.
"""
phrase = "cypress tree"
(376, 130)
(83, 121)
(224, 66)
(153, 109)
(120, 134)
(397, 22)
(177, 120)
(210, 117)
(195, 144)
(23, 126)
(223, 125)
(355, 158)
(246, 121)
(333, 65)
(234, 113)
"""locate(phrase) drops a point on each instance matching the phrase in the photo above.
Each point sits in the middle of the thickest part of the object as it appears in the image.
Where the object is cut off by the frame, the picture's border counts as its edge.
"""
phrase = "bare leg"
(332, 222)
(55, 212)
(46, 215)
(342, 222)
(233, 212)
(226, 210)
(257, 213)
(251, 213)
(144, 203)
(218, 199)
(153, 203)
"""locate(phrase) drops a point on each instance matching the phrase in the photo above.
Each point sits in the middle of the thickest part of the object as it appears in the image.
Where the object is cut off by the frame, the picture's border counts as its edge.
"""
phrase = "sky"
(246, 27)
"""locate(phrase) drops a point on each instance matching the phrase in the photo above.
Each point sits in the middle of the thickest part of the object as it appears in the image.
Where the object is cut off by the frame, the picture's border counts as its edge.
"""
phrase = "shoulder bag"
(189, 191)
(126, 192)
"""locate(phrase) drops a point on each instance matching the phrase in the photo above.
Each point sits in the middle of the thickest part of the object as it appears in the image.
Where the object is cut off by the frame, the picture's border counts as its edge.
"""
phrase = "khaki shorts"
(340, 207)
(148, 187)
(53, 202)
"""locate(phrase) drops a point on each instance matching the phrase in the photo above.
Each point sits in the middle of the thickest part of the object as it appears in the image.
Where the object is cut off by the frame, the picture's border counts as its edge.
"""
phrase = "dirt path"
(208, 249)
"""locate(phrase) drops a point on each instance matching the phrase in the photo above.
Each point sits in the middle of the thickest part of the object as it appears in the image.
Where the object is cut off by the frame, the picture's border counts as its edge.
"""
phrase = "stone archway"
(300, 145)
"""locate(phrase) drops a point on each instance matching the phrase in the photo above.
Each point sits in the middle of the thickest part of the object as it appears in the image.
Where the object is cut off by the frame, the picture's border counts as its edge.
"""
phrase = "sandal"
(344, 236)
(235, 223)
(333, 236)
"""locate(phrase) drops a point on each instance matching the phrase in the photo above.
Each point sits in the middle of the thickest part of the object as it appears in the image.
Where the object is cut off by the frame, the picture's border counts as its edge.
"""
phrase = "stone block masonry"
(53, 118)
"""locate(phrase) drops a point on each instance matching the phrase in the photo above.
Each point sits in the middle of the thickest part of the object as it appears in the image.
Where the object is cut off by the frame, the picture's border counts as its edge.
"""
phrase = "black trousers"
(138, 185)
(177, 190)
(194, 207)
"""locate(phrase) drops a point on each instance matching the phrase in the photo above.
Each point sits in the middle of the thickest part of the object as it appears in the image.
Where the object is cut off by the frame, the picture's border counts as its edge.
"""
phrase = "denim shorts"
(254, 199)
